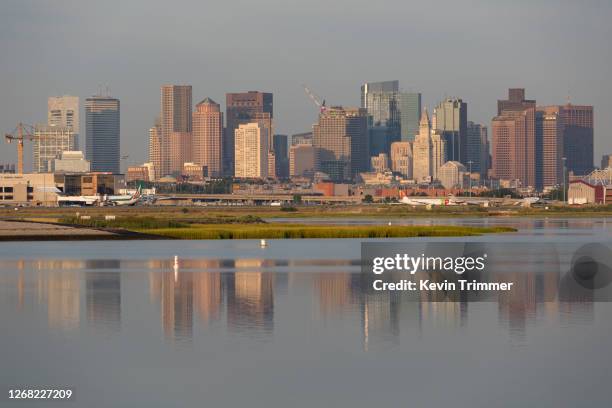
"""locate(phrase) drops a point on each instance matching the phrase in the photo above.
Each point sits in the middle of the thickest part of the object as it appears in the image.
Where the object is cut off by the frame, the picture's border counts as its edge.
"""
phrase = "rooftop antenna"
(568, 97)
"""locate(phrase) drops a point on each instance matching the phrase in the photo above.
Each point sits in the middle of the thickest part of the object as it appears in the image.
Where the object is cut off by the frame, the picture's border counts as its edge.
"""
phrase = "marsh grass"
(287, 231)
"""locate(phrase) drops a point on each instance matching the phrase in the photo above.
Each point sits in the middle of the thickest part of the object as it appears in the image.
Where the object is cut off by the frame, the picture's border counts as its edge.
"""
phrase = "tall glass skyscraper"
(409, 106)
(103, 143)
(451, 123)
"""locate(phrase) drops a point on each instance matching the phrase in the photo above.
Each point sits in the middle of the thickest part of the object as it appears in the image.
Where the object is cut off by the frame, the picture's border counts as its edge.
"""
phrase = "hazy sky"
(471, 49)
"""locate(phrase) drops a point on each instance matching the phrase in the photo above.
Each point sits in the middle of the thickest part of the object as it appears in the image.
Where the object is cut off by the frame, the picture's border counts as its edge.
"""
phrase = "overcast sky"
(470, 49)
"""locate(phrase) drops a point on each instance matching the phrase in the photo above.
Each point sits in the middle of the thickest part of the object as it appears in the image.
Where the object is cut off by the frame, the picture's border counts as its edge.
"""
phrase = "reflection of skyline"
(103, 299)
(246, 298)
(250, 300)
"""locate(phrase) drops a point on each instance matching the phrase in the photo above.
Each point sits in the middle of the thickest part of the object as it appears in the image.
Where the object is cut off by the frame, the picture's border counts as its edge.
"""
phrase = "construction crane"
(20, 133)
(315, 99)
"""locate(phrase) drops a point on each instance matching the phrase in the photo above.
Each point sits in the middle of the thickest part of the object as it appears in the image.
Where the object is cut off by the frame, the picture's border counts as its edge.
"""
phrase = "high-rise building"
(302, 160)
(301, 138)
(63, 111)
(103, 138)
(401, 159)
(207, 139)
(176, 121)
(516, 101)
(428, 151)
(155, 149)
(341, 140)
(49, 143)
(251, 151)
(549, 147)
(377, 87)
(243, 108)
(606, 161)
(578, 138)
(477, 154)
(409, 105)
(394, 114)
(514, 141)
(451, 123)
(281, 155)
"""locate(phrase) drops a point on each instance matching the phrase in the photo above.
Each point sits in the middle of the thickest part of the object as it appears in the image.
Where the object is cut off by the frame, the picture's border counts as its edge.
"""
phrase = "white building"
(49, 142)
(251, 151)
(71, 162)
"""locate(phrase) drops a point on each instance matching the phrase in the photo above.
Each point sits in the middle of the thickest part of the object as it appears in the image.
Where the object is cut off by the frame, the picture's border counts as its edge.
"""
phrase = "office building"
(388, 87)
(429, 152)
(301, 138)
(243, 108)
(477, 154)
(71, 162)
(549, 147)
(176, 122)
(48, 144)
(516, 101)
(578, 138)
(450, 118)
(281, 155)
(155, 149)
(453, 174)
(514, 139)
(207, 140)
(103, 138)
(302, 160)
(606, 161)
(63, 111)
(401, 159)
(341, 140)
(251, 151)
(409, 105)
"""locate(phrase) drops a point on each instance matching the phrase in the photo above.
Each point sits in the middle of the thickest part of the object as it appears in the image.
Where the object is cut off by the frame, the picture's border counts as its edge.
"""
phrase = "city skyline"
(133, 69)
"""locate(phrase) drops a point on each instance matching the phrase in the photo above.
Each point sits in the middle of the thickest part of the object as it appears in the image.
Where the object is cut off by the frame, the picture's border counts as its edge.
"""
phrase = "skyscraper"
(243, 108)
(341, 140)
(549, 147)
(428, 152)
(102, 122)
(251, 151)
(155, 148)
(578, 137)
(280, 148)
(514, 141)
(451, 124)
(377, 87)
(49, 143)
(477, 149)
(208, 137)
(64, 111)
(409, 105)
(175, 128)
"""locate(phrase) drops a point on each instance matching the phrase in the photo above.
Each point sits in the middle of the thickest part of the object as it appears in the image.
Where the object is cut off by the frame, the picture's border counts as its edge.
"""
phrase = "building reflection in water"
(250, 298)
(244, 294)
(103, 295)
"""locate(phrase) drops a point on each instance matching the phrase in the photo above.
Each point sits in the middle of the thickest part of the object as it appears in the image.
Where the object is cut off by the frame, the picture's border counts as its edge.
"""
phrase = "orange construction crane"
(21, 133)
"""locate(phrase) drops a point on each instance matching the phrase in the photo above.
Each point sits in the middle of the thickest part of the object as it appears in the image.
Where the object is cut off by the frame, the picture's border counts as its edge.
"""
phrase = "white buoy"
(263, 243)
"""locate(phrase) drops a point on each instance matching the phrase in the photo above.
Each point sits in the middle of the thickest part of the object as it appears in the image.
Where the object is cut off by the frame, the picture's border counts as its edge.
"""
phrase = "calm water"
(291, 325)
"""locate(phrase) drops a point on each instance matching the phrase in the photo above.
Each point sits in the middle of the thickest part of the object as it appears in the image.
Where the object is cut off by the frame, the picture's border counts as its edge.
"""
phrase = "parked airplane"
(125, 199)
